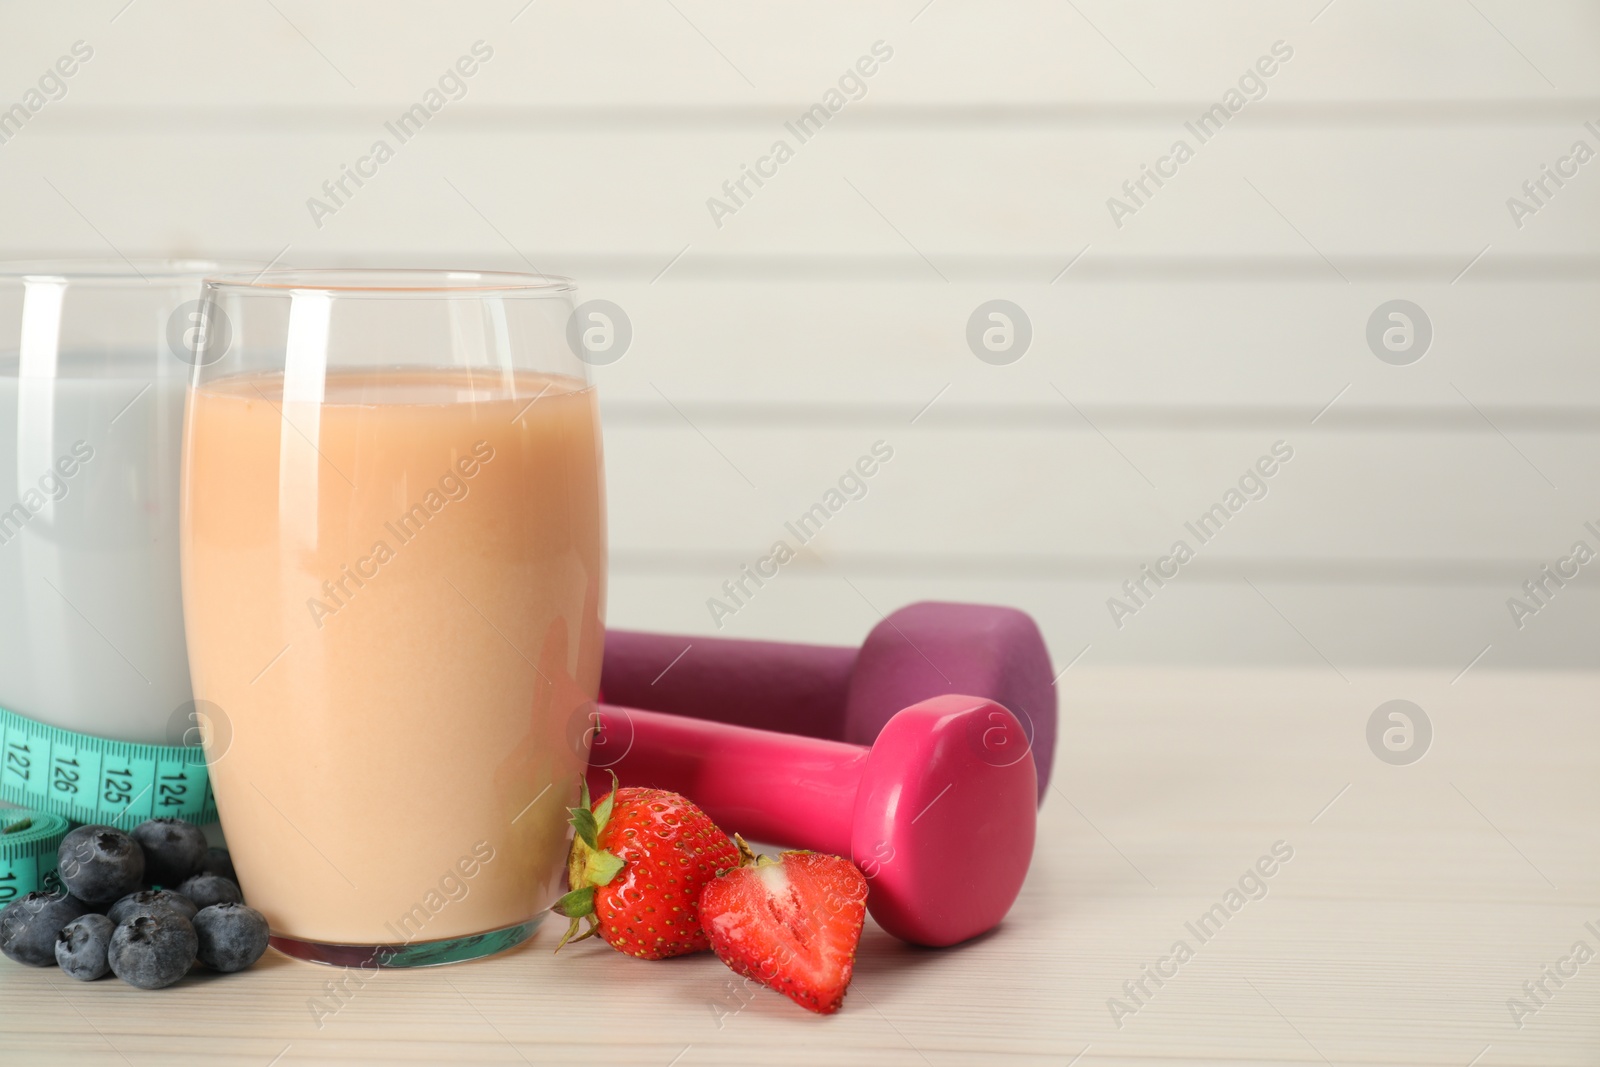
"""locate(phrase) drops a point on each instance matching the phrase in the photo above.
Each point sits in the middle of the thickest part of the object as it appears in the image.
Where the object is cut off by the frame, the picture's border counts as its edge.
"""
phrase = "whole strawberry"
(791, 924)
(639, 860)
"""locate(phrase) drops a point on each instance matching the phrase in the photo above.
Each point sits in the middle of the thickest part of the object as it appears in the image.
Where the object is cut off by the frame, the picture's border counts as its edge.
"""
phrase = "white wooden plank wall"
(830, 309)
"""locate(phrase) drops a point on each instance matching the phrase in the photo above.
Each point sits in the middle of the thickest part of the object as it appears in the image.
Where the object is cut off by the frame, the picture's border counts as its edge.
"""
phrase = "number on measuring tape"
(86, 765)
(19, 759)
(38, 750)
(178, 790)
(126, 787)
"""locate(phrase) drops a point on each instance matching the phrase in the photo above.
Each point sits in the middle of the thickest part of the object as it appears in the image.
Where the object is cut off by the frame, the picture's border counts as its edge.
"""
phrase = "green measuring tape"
(29, 841)
(92, 780)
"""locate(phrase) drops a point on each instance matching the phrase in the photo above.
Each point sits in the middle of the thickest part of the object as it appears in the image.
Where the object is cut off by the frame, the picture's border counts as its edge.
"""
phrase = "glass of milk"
(394, 560)
(94, 359)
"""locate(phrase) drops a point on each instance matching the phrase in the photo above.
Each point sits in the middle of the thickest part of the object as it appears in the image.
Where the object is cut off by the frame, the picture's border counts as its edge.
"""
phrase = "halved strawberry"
(791, 924)
(639, 860)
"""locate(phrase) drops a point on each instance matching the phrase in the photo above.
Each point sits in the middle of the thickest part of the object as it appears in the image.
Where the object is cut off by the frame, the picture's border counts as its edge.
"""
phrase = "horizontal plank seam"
(297, 119)
(1388, 571)
(1215, 418)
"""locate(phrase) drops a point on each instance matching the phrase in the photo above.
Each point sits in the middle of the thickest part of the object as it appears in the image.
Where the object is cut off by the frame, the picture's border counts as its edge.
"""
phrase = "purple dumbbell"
(845, 694)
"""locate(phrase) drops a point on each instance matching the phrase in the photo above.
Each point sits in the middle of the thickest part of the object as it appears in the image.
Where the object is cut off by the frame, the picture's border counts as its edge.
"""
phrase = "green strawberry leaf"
(576, 904)
(602, 814)
(584, 822)
(572, 928)
(601, 868)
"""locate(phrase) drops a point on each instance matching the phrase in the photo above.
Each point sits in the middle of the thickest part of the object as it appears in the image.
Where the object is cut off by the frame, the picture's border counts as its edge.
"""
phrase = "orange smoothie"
(394, 599)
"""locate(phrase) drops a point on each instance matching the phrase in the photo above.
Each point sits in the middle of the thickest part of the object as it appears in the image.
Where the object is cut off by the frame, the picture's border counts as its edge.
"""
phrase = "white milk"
(91, 620)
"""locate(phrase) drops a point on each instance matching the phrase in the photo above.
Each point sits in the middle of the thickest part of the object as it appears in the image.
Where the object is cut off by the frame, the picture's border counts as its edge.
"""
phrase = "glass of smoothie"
(393, 552)
(94, 359)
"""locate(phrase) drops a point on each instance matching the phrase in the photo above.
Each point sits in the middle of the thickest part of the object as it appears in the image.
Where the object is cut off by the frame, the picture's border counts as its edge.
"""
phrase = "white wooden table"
(1418, 901)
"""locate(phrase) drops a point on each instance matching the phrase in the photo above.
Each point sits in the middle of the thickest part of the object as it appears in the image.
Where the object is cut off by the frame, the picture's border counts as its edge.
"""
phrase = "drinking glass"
(94, 358)
(393, 554)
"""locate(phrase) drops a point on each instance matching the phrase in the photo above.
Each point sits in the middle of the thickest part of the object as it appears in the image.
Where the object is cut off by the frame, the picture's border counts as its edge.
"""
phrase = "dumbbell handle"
(724, 768)
(771, 685)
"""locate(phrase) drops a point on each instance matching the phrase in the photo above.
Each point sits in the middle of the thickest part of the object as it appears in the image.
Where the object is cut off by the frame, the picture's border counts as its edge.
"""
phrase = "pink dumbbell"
(942, 829)
(846, 694)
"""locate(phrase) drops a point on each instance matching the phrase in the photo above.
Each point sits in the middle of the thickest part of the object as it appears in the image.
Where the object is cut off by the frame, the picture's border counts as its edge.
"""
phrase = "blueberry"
(232, 936)
(152, 951)
(81, 947)
(217, 861)
(208, 889)
(146, 901)
(173, 850)
(100, 864)
(29, 925)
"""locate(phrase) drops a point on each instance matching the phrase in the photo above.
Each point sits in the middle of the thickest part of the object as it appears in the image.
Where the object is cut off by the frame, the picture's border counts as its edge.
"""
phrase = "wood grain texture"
(1418, 900)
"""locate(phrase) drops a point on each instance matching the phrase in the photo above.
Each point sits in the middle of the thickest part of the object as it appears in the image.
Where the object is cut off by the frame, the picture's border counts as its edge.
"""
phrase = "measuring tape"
(29, 841)
(92, 780)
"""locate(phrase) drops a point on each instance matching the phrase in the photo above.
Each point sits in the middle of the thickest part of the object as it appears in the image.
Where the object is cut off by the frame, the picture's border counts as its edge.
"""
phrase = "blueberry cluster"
(115, 912)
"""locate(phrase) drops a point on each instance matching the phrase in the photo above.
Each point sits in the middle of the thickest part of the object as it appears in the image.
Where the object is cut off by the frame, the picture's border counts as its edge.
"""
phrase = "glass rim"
(108, 270)
(399, 282)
